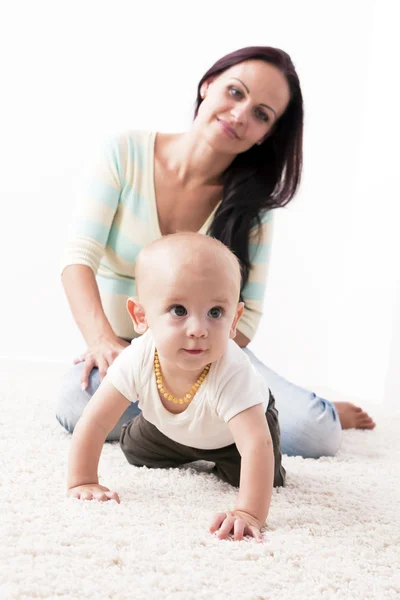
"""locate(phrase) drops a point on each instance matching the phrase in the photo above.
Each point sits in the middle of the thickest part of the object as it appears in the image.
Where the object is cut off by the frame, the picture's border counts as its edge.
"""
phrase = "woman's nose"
(239, 112)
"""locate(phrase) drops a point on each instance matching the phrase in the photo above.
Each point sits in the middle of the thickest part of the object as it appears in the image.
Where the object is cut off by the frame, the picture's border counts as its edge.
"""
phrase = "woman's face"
(241, 105)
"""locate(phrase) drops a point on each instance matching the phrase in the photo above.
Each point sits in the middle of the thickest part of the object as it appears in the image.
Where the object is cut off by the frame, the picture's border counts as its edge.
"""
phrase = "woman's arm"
(254, 291)
(94, 215)
(84, 300)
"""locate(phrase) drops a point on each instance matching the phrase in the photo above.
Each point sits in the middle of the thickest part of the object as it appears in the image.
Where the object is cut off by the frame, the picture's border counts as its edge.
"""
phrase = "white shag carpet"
(333, 532)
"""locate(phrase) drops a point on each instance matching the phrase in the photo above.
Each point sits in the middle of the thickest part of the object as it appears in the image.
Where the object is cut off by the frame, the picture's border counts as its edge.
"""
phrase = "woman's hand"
(93, 491)
(100, 355)
(238, 522)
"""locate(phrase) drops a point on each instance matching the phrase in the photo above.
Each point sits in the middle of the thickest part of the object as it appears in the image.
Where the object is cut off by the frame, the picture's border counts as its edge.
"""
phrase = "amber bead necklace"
(187, 397)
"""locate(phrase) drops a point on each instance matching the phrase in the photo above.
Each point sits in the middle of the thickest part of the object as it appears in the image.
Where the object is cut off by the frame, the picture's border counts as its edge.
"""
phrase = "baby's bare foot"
(353, 417)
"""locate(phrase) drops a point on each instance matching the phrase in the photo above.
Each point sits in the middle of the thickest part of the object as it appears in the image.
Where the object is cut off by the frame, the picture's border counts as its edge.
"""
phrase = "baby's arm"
(98, 419)
(253, 439)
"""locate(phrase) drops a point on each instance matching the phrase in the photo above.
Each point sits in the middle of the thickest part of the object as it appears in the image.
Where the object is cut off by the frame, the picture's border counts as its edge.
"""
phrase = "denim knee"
(313, 433)
(310, 425)
(71, 399)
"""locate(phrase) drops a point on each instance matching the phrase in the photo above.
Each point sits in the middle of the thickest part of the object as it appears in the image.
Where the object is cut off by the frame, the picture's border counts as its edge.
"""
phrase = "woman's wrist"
(102, 336)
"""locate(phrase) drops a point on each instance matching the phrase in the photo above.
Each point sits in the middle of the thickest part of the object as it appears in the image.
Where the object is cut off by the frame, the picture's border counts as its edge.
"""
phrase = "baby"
(200, 397)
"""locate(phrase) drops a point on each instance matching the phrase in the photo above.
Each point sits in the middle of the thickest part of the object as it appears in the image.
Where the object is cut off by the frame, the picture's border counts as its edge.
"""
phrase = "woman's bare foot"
(353, 417)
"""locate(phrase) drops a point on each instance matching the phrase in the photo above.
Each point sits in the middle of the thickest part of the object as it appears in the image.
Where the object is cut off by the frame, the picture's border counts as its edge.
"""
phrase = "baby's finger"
(113, 496)
(86, 496)
(226, 528)
(218, 519)
(238, 529)
(74, 494)
(100, 496)
(255, 533)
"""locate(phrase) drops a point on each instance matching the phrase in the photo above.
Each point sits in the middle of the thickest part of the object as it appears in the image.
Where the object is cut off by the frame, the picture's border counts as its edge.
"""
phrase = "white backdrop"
(75, 72)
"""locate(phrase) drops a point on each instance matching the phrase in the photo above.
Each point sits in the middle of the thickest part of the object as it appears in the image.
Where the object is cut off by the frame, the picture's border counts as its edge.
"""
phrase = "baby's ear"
(239, 312)
(137, 314)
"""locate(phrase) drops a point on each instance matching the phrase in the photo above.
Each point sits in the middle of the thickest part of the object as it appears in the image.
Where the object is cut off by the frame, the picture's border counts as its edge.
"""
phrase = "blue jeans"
(310, 426)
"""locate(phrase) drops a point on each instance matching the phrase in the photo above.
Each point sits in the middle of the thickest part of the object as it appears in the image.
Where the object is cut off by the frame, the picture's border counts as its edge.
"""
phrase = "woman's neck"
(193, 161)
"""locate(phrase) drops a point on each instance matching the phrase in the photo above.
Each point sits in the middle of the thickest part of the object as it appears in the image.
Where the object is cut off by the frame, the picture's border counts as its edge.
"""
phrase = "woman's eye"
(260, 114)
(235, 92)
(215, 313)
(178, 310)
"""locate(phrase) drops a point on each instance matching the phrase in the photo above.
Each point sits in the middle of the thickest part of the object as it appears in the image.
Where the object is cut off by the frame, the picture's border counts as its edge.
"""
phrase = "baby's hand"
(93, 491)
(237, 520)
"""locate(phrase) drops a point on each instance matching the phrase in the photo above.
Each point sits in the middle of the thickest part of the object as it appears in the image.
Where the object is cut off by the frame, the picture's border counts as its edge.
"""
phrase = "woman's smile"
(228, 129)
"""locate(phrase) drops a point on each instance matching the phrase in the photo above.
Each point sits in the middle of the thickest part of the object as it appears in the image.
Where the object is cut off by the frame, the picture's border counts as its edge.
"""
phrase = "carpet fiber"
(333, 532)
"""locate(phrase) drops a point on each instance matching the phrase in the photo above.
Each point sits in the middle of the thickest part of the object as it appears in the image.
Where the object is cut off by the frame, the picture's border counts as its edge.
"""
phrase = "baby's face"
(192, 313)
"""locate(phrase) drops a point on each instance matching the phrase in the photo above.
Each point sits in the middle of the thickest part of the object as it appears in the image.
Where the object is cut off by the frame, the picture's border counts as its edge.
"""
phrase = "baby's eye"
(216, 312)
(234, 92)
(178, 310)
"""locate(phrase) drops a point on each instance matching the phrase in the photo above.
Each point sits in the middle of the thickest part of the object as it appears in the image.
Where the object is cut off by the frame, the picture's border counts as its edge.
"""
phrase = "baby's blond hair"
(187, 249)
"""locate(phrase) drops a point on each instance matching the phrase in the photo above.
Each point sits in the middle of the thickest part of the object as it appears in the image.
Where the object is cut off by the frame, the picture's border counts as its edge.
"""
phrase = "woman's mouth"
(193, 351)
(227, 129)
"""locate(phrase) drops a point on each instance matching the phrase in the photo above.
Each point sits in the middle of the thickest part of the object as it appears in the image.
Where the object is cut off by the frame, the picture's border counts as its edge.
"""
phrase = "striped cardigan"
(116, 216)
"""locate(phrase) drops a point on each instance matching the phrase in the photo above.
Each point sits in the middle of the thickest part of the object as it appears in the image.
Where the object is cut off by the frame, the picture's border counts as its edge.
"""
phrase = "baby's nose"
(196, 328)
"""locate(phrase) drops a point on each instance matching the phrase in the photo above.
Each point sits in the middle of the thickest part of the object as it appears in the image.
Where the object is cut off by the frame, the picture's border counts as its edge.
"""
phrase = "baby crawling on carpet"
(200, 397)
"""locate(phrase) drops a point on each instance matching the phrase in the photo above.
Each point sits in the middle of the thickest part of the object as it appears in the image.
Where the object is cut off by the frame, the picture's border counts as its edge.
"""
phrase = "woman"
(241, 158)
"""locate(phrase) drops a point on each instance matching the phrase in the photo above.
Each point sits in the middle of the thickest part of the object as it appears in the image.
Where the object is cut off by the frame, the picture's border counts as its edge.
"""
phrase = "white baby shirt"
(231, 386)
